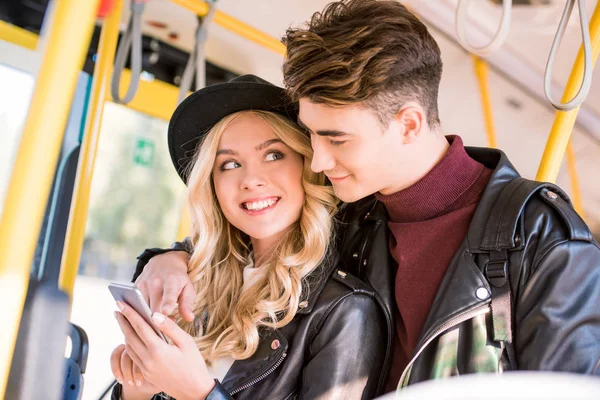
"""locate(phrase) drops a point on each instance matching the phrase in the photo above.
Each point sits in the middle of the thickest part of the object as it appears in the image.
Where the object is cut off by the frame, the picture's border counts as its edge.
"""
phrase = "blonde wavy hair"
(229, 317)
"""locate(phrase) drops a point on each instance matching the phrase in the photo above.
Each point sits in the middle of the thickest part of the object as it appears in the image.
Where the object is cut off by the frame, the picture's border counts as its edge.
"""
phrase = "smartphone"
(128, 293)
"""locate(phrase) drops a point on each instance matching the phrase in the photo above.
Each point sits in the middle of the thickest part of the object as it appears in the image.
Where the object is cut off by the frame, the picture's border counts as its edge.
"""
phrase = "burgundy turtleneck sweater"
(428, 221)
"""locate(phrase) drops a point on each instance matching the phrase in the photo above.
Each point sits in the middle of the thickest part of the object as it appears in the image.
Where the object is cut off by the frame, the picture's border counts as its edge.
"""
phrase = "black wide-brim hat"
(201, 110)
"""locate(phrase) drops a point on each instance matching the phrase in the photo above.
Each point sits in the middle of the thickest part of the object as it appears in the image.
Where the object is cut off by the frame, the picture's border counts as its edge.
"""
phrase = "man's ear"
(410, 119)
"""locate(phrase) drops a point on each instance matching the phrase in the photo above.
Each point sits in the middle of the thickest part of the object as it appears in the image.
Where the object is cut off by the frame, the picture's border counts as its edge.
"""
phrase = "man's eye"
(227, 165)
(274, 156)
(337, 142)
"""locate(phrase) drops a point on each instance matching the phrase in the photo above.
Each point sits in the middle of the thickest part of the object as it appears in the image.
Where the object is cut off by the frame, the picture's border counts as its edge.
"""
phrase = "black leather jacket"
(554, 274)
(330, 350)
(554, 271)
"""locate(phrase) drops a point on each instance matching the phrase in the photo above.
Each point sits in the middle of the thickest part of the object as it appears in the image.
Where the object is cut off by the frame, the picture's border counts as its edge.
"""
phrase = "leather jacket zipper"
(263, 376)
(365, 249)
(388, 356)
(441, 329)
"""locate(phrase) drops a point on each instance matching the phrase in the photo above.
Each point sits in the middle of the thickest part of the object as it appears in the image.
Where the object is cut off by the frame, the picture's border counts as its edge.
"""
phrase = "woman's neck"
(264, 247)
(260, 250)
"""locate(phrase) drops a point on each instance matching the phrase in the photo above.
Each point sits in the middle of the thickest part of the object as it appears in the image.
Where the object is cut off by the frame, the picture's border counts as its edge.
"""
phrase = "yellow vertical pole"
(184, 228)
(574, 178)
(64, 50)
(481, 71)
(85, 169)
(565, 120)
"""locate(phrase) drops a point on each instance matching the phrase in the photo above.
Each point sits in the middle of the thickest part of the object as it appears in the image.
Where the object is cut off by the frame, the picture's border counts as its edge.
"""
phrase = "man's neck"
(432, 147)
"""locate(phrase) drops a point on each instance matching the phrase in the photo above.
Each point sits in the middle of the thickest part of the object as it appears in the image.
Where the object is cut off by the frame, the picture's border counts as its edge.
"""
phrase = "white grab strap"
(497, 40)
(586, 82)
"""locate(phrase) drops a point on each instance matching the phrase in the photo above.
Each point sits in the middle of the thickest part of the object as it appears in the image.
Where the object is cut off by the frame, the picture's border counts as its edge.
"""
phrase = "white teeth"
(259, 205)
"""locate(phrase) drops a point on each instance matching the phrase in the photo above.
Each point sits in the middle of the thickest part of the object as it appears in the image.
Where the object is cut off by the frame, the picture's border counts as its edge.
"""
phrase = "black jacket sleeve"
(218, 393)
(558, 310)
(347, 352)
(147, 254)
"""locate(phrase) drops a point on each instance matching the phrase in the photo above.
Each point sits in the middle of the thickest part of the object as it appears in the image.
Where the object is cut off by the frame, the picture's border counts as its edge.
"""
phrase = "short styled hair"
(373, 52)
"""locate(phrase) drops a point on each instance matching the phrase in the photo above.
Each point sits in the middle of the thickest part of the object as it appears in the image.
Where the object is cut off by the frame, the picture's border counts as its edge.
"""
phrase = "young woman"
(275, 316)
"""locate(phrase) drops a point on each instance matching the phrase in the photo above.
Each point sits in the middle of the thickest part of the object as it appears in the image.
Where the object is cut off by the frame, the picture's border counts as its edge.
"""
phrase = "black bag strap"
(500, 229)
(496, 272)
(499, 237)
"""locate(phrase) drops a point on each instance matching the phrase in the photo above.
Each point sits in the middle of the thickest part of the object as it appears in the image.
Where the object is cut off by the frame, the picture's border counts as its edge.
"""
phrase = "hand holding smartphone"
(129, 294)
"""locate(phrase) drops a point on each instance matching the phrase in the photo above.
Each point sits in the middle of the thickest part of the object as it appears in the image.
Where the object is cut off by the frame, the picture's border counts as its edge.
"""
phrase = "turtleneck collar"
(439, 192)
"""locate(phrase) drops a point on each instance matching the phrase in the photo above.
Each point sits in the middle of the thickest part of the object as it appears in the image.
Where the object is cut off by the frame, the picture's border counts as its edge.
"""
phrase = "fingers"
(163, 279)
(134, 356)
(143, 330)
(140, 283)
(115, 363)
(170, 328)
(169, 296)
(155, 294)
(138, 376)
(186, 302)
(127, 369)
(132, 337)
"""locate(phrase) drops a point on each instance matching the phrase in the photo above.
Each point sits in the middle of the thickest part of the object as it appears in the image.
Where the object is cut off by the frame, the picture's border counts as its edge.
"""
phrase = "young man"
(478, 269)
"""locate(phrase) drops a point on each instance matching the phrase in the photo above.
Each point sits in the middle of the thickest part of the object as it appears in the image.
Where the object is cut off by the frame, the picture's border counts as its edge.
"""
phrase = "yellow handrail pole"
(574, 178)
(481, 71)
(64, 50)
(13, 34)
(185, 225)
(87, 160)
(565, 120)
(234, 25)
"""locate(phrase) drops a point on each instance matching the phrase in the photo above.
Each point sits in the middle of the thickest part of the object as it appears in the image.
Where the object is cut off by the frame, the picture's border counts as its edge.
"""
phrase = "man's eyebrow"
(324, 132)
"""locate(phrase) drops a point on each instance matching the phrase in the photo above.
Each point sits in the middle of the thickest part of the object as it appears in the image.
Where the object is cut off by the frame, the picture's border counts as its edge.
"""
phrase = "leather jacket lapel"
(459, 291)
(271, 350)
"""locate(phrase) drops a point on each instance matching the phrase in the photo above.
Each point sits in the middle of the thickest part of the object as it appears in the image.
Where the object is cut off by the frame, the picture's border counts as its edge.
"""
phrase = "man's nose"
(322, 159)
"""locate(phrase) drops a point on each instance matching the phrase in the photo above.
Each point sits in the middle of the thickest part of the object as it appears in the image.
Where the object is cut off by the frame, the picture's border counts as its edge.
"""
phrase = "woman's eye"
(274, 156)
(229, 165)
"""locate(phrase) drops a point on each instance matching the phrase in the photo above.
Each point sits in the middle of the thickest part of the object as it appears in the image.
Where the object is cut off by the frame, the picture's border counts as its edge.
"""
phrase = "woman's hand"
(130, 376)
(177, 369)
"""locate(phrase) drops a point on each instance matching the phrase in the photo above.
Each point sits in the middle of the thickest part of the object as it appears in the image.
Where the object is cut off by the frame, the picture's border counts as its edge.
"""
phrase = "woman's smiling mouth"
(259, 205)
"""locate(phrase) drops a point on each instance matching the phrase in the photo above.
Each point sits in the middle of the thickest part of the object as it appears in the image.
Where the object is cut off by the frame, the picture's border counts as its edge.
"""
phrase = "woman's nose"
(253, 180)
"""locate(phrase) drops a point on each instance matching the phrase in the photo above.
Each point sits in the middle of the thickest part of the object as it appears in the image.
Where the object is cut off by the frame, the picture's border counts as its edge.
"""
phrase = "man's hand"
(164, 282)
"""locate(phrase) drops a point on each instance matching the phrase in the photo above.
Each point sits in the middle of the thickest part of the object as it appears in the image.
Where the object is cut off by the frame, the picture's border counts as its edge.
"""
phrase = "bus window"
(135, 203)
(15, 95)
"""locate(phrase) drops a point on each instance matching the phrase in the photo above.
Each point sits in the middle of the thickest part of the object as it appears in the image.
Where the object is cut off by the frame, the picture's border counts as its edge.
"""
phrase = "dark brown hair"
(373, 52)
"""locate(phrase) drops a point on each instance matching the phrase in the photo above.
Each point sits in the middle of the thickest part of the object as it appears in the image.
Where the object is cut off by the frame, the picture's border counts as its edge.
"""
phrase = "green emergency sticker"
(143, 152)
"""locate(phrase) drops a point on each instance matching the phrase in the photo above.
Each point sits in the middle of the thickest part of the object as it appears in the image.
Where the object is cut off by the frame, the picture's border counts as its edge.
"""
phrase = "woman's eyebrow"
(261, 146)
(227, 151)
(266, 144)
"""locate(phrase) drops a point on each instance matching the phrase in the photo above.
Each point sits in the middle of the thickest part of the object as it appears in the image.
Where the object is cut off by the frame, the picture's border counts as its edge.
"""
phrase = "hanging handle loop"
(197, 60)
(131, 40)
(499, 37)
(586, 82)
